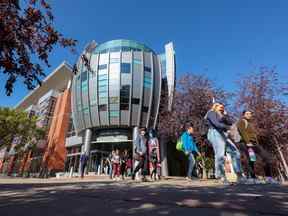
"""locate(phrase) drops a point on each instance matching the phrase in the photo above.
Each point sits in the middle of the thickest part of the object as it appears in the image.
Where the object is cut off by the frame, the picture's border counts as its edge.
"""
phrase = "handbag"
(179, 145)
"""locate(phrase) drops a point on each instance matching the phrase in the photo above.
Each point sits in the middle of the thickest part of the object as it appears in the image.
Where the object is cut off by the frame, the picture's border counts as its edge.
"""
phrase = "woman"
(219, 124)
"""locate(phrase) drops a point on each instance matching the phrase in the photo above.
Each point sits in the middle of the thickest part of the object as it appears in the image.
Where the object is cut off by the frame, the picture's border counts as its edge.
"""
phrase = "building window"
(147, 80)
(145, 109)
(102, 66)
(114, 114)
(85, 110)
(93, 102)
(115, 49)
(102, 88)
(135, 101)
(114, 100)
(114, 60)
(124, 97)
(102, 77)
(147, 69)
(103, 100)
(126, 49)
(103, 107)
(125, 67)
(84, 76)
(124, 106)
(136, 61)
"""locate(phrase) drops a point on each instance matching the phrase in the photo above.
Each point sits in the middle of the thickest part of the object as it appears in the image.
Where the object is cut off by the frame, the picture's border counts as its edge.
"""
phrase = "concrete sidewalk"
(173, 196)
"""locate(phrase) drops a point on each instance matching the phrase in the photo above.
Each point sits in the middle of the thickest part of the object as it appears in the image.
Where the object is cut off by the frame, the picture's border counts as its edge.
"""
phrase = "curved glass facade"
(121, 45)
(122, 89)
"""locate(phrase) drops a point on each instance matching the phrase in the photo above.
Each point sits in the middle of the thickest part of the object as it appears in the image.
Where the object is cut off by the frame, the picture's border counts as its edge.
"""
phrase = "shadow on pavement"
(126, 198)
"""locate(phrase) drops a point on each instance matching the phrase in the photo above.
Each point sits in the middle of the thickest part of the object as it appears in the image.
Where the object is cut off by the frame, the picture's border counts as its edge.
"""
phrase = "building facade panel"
(123, 86)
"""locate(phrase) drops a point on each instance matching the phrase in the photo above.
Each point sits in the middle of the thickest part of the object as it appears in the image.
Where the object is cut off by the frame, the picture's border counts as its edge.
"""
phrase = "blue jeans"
(219, 144)
(191, 164)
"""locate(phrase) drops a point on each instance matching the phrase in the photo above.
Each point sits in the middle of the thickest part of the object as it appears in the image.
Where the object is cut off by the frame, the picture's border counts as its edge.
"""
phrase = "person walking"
(83, 164)
(154, 162)
(252, 149)
(219, 123)
(116, 165)
(190, 148)
(123, 164)
(140, 150)
(110, 164)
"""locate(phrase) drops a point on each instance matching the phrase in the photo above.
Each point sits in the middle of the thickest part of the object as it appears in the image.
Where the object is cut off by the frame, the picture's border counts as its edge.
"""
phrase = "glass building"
(118, 88)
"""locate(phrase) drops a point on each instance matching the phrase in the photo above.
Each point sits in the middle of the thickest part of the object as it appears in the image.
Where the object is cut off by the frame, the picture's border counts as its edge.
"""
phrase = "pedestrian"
(83, 163)
(129, 166)
(252, 149)
(110, 164)
(123, 165)
(140, 150)
(219, 123)
(154, 162)
(153, 145)
(116, 165)
(190, 148)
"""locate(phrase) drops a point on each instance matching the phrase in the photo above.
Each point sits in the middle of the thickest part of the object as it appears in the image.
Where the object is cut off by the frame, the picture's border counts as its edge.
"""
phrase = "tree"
(193, 98)
(26, 33)
(261, 93)
(19, 128)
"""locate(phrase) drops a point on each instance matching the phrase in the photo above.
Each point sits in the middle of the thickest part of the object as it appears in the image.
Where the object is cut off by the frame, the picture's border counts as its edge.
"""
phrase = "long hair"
(215, 106)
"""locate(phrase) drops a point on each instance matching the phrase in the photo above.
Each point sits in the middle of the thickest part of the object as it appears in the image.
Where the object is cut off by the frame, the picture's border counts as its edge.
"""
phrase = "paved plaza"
(172, 196)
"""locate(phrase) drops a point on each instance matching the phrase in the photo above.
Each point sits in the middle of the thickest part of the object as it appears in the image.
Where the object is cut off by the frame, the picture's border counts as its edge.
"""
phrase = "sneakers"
(253, 181)
(270, 180)
(241, 180)
(224, 181)
(133, 176)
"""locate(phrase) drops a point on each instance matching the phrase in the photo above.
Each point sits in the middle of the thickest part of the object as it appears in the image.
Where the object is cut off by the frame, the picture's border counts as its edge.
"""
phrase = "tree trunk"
(284, 163)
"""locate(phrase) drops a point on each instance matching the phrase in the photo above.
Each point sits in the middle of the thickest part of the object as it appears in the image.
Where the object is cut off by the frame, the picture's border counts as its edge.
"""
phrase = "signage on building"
(112, 138)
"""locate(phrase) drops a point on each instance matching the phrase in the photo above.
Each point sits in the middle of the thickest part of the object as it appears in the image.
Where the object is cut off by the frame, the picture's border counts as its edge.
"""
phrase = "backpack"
(234, 132)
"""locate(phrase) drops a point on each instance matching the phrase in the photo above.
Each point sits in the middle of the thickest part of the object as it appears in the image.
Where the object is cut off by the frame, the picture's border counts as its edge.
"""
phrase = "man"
(190, 148)
(83, 163)
(251, 147)
(140, 150)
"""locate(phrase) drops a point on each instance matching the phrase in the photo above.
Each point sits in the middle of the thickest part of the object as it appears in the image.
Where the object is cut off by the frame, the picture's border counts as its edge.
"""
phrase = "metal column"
(87, 141)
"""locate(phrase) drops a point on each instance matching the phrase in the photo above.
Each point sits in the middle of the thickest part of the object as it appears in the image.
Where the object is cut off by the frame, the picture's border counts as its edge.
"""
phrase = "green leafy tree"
(15, 124)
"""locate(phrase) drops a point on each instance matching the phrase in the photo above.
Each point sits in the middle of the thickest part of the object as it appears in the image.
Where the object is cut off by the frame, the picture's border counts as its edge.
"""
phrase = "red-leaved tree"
(27, 32)
(262, 92)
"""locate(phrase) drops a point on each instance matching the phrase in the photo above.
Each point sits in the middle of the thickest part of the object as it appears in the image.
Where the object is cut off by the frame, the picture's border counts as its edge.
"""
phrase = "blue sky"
(222, 39)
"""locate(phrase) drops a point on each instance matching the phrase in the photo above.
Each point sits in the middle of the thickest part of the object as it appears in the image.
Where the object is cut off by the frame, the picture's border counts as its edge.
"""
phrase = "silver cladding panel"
(100, 104)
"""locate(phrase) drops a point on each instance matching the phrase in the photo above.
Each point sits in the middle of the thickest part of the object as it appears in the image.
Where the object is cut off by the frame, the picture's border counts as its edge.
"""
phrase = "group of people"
(223, 135)
(120, 164)
(144, 159)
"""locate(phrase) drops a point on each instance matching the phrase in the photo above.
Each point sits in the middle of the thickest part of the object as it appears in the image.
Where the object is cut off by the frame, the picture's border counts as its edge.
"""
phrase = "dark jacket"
(215, 121)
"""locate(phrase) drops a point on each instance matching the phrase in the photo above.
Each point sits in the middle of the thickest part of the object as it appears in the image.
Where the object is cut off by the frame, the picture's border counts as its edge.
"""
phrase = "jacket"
(140, 145)
(188, 143)
(247, 131)
(217, 122)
